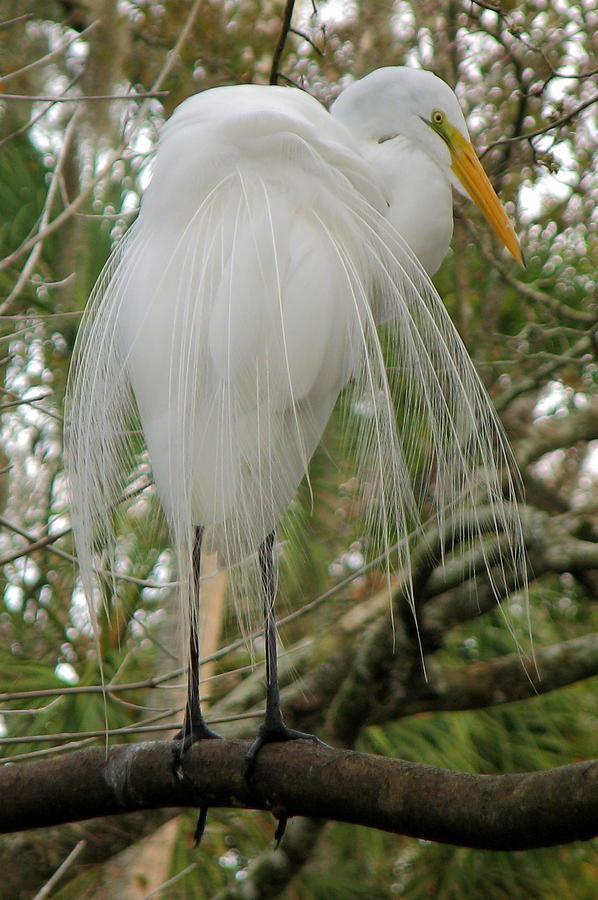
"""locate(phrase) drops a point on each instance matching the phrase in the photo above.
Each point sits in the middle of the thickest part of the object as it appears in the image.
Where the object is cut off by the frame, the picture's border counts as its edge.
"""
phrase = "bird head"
(471, 179)
(399, 101)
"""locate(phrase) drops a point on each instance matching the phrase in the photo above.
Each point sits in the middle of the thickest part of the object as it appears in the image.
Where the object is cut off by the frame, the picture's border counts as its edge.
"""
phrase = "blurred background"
(72, 168)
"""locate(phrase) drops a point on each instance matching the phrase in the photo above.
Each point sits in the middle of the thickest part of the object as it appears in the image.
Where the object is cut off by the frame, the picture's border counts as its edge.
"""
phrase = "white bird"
(273, 239)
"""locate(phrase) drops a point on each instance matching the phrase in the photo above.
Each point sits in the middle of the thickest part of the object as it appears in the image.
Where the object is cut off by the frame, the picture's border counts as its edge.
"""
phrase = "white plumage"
(272, 241)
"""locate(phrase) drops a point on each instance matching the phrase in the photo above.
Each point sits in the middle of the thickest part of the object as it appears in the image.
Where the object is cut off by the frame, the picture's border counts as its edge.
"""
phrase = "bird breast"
(248, 287)
(418, 195)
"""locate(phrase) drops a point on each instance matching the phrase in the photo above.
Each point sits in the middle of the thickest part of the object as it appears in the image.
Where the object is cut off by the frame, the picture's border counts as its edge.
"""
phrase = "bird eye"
(438, 117)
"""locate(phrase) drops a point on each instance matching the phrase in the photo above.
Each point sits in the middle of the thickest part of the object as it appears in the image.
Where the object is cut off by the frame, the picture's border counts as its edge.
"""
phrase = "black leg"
(194, 727)
(273, 728)
(274, 721)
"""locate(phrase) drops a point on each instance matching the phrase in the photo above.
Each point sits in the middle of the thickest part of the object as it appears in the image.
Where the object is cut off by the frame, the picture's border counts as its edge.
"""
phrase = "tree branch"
(550, 126)
(556, 432)
(505, 812)
(282, 39)
(506, 679)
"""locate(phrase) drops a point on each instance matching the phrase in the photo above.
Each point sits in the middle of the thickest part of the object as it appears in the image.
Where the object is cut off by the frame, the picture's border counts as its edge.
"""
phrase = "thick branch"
(506, 679)
(555, 432)
(505, 812)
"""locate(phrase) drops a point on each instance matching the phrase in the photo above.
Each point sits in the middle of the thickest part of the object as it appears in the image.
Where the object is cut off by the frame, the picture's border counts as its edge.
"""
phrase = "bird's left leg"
(194, 726)
(273, 728)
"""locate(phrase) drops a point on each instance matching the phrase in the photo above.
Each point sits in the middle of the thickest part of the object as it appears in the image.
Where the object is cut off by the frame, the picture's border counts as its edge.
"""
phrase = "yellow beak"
(468, 169)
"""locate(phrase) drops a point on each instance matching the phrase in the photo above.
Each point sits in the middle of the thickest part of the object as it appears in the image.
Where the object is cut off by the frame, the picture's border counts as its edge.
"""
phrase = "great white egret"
(274, 239)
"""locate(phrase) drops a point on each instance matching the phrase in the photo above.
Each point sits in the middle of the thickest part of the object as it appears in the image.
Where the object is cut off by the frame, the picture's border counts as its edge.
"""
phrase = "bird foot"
(280, 828)
(185, 739)
(183, 742)
(271, 734)
(274, 734)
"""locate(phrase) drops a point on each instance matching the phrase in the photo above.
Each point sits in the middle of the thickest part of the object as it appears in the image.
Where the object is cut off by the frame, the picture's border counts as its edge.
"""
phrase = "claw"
(200, 827)
(199, 732)
(280, 829)
(185, 740)
(269, 734)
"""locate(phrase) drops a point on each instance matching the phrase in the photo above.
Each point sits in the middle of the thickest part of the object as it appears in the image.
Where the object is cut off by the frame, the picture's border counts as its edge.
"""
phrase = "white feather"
(242, 301)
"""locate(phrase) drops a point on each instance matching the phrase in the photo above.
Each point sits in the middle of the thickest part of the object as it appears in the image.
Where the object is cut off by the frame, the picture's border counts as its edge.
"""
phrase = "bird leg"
(194, 727)
(273, 728)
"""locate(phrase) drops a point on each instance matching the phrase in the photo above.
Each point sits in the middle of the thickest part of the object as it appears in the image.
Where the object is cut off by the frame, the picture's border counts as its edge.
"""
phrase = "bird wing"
(239, 296)
(241, 302)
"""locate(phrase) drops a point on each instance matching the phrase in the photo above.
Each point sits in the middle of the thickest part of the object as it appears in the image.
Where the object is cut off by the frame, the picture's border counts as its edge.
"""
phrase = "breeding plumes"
(274, 241)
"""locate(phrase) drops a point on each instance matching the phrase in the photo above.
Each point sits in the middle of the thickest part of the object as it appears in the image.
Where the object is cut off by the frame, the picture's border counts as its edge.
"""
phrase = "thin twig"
(34, 544)
(22, 401)
(45, 216)
(36, 118)
(528, 135)
(48, 56)
(579, 349)
(83, 98)
(167, 884)
(529, 290)
(62, 868)
(24, 18)
(576, 76)
(127, 729)
(489, 6)
(20, 317)
(112, 158)
(173, 54)
(282, 39)
(306, 38)
(51, 751)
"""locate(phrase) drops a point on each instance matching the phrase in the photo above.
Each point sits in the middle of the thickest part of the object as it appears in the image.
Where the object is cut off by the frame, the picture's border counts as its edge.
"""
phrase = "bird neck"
(419, 197)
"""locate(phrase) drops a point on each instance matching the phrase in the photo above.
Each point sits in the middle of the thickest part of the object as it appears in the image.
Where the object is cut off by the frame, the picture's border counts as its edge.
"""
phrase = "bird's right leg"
(194, 727)
(274, 728)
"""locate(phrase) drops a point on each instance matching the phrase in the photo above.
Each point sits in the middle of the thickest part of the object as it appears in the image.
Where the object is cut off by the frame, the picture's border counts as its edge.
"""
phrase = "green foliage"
(22, 192)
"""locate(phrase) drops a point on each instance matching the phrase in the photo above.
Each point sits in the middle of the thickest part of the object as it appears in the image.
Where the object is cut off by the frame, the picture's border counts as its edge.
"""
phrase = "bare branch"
(505, 680)
(543, 373)
(45, 215)
(58, 51)
(157, 892)
(112, 157)
(62, 868)
(492, 7)
(306, 38)
(36, 118)
(34, 544)
(528, 135)
(26, 17)
(505, 812)
(84, 98)
(555, 432)
(282, 39)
